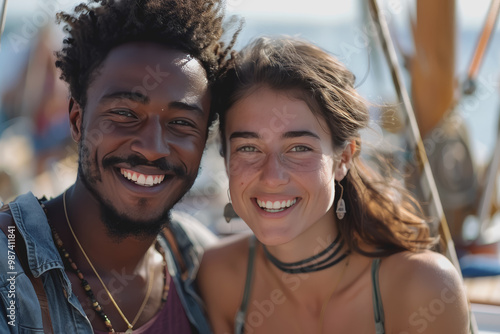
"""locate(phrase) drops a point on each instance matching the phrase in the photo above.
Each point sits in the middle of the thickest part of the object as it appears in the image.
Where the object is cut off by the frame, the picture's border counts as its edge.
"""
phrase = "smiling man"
(108, 255)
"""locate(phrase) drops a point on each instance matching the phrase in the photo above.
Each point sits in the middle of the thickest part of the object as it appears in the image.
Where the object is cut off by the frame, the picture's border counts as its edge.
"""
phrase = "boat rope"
(2, 18)
(482, 44)
(427, 183)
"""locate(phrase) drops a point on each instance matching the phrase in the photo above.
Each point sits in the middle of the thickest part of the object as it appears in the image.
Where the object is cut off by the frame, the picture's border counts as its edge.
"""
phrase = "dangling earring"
(341, 204)
(229, 212)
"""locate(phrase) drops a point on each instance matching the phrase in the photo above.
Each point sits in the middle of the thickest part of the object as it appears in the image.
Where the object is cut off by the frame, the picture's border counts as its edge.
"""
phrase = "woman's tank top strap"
(378, 308)
(239, 323)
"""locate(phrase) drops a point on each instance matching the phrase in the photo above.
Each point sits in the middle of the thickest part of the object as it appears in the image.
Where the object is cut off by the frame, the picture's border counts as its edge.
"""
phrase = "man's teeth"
(142, 179)
(276, 206)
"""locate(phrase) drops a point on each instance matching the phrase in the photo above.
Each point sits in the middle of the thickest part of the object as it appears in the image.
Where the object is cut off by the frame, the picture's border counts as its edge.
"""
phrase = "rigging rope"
(482, 44)
(2, 18)
(427, 182)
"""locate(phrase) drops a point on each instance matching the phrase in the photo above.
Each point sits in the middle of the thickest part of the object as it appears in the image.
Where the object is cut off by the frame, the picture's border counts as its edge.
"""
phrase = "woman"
(339, 249)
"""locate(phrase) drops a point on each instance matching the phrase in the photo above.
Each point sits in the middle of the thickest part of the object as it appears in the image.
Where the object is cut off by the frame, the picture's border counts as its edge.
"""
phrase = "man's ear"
(345, 161)
(75, 119)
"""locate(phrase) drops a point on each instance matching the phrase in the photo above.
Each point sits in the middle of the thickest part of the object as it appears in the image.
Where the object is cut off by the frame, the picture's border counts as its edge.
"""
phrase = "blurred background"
(451, 74)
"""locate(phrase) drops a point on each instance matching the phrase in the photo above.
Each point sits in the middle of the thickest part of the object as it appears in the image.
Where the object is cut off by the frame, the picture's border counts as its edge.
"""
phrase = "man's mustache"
(135, 160)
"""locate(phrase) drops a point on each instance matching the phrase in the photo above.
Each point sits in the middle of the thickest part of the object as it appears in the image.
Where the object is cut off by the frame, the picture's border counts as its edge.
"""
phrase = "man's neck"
(106, 253)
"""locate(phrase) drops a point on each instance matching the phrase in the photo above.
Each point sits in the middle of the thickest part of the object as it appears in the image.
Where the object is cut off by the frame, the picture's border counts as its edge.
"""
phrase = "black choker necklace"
(313, 263)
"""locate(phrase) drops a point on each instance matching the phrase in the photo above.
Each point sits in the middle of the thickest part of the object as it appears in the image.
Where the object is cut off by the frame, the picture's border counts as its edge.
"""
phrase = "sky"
(470, 12)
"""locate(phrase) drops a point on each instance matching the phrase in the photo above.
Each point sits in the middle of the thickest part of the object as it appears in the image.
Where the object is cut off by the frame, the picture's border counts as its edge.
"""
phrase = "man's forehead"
(153, 52)
(150, 65)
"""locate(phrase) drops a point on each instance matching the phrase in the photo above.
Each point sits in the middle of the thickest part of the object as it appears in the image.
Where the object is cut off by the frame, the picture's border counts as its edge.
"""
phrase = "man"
(139, 73)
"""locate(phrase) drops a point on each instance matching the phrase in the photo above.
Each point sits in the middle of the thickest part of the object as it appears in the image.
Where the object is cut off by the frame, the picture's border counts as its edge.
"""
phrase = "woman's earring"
(229, 212)
(341, 204)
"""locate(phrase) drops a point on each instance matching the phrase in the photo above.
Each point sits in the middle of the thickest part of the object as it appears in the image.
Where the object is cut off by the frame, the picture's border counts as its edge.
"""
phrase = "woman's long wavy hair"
(379, 212)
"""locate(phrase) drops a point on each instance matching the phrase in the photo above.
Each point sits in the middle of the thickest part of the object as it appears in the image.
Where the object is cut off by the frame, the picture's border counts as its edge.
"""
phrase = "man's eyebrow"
(138, 97)
(185, 106)
(244, 134)
(303, 133)
(125, 95)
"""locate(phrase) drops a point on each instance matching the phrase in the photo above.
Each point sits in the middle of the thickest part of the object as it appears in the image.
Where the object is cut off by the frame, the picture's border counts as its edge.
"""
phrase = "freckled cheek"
(240, 176)
(326, 175)
(327, 192)
(243, 168)
(327, 170)
(239, 198)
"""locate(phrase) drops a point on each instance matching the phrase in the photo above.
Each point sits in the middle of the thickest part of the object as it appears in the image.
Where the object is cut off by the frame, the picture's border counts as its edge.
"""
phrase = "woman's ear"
(75, 120)
(345, 161)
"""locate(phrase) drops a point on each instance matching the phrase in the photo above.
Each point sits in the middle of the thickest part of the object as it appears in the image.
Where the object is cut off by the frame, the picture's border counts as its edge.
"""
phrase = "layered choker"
(320, 261)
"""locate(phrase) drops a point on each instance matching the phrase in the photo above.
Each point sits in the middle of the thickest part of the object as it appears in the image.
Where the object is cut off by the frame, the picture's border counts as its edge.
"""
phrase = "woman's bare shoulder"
(229, 252)
(224, 262)
(423, 292)
(420, 263)
(221, 280)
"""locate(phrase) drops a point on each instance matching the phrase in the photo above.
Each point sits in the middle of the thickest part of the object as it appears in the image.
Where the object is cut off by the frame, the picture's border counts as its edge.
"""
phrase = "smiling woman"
(262, 158)
(337, 248)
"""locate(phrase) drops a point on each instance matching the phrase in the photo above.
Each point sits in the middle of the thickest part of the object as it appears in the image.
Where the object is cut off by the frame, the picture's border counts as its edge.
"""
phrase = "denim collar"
(33, 226)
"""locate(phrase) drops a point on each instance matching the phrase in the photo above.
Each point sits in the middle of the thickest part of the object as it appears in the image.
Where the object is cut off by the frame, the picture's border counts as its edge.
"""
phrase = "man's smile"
(142, 179)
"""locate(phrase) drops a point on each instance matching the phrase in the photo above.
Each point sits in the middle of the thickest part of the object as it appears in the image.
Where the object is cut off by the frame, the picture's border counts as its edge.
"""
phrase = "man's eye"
(124, 113)
(300, 148)
(182, 122)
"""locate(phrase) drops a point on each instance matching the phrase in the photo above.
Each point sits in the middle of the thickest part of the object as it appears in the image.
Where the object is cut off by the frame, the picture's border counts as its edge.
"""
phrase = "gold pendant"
(129, 330)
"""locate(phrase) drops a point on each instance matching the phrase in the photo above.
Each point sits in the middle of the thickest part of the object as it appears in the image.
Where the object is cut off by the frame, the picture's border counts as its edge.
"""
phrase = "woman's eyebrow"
(286, 135)
(244, 134)
(302, 133)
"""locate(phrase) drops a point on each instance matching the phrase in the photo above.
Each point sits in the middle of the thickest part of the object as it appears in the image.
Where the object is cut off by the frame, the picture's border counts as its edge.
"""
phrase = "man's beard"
(119, 225)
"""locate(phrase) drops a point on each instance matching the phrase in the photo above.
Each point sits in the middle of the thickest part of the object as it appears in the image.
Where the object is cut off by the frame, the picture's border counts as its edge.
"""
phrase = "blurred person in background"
(108, 255)
(35, 133)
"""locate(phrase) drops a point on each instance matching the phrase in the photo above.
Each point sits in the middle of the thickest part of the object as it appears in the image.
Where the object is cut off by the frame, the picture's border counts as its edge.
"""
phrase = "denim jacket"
(19, 307)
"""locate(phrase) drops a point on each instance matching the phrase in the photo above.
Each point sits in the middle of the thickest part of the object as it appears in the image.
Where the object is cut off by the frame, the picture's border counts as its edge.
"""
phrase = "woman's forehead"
(277, 110)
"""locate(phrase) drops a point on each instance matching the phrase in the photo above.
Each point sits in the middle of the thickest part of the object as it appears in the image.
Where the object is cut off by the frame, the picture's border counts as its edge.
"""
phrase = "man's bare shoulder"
(423, 292)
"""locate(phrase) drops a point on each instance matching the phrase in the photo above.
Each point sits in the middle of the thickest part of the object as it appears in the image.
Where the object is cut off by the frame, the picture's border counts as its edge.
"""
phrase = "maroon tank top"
(170, 319)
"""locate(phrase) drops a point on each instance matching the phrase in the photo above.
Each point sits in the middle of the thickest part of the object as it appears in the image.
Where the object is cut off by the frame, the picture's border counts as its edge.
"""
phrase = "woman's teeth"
(142, 179)
(276, 206)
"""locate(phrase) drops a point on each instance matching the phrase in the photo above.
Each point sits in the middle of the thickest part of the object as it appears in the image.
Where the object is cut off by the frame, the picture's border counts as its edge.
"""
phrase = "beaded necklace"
(69, 264)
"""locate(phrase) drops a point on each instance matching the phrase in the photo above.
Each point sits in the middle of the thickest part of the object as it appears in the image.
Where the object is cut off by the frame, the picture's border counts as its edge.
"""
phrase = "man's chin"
(120, 226)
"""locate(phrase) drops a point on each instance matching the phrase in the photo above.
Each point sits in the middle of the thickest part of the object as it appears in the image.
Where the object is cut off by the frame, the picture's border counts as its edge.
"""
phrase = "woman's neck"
(310, 242)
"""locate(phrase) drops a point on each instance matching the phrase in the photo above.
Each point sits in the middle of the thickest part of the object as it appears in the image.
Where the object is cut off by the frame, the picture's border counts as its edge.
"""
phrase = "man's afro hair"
(191, 26)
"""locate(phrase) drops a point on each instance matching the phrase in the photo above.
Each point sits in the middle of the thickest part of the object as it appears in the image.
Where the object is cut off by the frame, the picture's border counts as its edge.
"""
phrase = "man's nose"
(151, 141)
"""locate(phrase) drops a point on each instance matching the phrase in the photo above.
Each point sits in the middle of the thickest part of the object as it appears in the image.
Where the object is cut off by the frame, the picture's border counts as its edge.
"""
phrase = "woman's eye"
(300, 148)
(247, 149)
